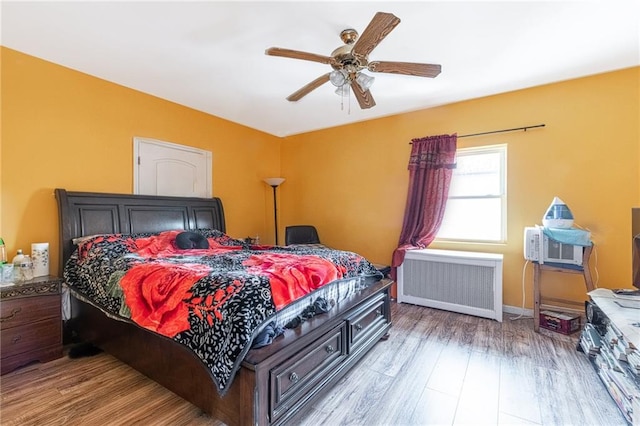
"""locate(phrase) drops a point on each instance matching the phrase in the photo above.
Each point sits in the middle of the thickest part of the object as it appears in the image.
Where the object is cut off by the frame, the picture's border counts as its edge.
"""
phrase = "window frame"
(500, 149)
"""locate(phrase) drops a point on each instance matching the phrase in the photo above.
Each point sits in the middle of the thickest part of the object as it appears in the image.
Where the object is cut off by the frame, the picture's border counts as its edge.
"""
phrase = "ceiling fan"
(349, 60)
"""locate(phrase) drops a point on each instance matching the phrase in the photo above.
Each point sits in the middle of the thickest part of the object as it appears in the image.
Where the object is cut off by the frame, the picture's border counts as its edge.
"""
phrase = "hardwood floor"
(436, 368)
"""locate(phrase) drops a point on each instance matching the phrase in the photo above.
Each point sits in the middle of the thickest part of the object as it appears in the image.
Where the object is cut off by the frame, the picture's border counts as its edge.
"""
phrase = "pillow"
(191, 240)
(219, 237)
(78, 241)
(83, 239)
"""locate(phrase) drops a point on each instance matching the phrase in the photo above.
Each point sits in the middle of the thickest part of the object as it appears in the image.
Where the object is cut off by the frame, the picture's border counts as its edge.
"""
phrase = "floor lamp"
(274, 183)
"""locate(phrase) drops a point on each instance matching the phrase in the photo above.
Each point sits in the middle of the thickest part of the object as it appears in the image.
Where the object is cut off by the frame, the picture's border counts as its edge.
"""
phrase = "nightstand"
(30, 322)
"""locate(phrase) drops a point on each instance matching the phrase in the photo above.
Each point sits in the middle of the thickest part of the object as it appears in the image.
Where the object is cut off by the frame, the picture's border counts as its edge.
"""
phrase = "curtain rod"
(500, 131)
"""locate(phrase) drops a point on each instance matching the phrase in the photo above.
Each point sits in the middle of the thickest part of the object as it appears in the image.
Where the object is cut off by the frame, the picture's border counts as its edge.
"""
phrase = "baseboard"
(517, 310)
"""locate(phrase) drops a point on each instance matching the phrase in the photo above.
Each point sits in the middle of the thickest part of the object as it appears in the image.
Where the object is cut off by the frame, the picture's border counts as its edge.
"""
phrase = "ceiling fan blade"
(297, 54)
(408, 68)
(304, 90)
(363, 97)
(379, 27)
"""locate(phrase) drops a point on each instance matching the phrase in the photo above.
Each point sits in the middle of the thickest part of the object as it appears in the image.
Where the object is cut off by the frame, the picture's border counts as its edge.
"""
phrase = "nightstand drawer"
(17, 312)
(12, 362)
(30, 337)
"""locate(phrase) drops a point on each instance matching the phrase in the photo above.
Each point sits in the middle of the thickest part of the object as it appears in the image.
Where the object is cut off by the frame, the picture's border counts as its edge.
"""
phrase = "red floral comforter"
(211, 300)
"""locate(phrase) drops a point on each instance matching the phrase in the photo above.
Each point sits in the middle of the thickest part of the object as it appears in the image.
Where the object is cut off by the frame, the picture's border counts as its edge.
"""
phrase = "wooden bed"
(276, 383)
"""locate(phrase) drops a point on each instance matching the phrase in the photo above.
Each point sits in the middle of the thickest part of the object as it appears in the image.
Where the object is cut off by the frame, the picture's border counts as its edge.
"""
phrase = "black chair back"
(301, 234)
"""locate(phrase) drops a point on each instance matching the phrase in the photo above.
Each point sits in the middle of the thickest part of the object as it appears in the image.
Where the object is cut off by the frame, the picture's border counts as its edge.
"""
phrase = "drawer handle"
(293, 378)
(358, 327)
(15, 312)
(16, 339)
(330, 349)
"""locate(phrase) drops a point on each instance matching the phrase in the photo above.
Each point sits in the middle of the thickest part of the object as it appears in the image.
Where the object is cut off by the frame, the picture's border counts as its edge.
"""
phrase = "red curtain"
(430, 168)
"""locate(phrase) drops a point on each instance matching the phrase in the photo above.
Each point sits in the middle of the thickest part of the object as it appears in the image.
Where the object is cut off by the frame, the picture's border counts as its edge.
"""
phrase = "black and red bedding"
(214, 300)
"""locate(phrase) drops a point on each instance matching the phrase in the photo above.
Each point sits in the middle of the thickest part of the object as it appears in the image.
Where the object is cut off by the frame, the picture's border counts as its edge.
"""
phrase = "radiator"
(458, 281)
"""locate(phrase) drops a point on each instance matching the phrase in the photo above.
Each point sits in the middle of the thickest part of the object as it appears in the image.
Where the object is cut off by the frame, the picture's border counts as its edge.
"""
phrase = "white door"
(163, 168)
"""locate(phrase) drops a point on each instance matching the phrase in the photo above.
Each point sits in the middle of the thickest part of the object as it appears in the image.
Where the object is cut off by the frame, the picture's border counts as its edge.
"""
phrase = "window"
(477, 204)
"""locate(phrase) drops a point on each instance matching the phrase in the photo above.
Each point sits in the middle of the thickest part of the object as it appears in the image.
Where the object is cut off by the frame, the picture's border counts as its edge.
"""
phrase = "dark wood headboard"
(89, 213)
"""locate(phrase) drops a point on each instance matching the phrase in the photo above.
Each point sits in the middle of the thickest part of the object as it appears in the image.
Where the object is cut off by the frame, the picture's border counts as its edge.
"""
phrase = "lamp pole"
(275, 211)
(274, 183)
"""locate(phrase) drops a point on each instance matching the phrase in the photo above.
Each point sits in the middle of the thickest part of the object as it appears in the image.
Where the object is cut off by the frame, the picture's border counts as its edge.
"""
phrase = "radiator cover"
(458, 281)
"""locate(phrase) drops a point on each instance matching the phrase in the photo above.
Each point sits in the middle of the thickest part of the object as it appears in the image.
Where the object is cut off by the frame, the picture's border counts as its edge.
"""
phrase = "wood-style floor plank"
(480, 395)
(437, 368)
(408, 386)
(518, 396)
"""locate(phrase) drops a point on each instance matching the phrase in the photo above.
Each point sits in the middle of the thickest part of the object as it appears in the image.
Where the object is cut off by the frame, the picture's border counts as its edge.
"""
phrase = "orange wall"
(62, 128)
(588, 155)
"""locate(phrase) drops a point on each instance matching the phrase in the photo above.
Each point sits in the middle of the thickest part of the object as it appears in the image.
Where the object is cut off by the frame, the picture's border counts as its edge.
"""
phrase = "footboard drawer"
(367, 322)
(308, 369)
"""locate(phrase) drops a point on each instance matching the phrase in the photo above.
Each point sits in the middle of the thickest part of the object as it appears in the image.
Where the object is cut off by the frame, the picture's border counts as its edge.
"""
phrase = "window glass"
(476, 174)
(476, 208)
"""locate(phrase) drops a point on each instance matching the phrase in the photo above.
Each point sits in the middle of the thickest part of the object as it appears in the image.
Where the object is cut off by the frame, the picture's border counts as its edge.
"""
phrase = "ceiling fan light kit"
(343, 90)
(338, 78)
(341, 78)
(349, 60)
(365, 81)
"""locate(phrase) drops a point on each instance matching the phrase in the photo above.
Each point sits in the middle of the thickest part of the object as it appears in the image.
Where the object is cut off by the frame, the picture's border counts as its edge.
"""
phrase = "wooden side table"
(30, 322)
(540, 302)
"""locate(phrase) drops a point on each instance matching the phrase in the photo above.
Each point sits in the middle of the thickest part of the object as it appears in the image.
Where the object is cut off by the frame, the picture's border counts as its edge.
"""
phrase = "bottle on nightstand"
(17, 263)
(3, 252)
(6, 269)
(26, 268)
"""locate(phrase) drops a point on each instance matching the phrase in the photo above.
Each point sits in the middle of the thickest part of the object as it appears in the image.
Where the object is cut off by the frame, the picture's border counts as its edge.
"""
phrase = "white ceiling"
(209, 55)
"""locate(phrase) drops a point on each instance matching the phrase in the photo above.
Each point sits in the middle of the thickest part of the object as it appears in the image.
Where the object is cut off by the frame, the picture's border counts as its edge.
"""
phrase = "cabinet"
(611, 340)
(30, 323)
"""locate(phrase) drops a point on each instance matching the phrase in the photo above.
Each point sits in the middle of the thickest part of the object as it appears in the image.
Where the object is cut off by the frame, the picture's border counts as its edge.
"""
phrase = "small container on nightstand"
(30, 322)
